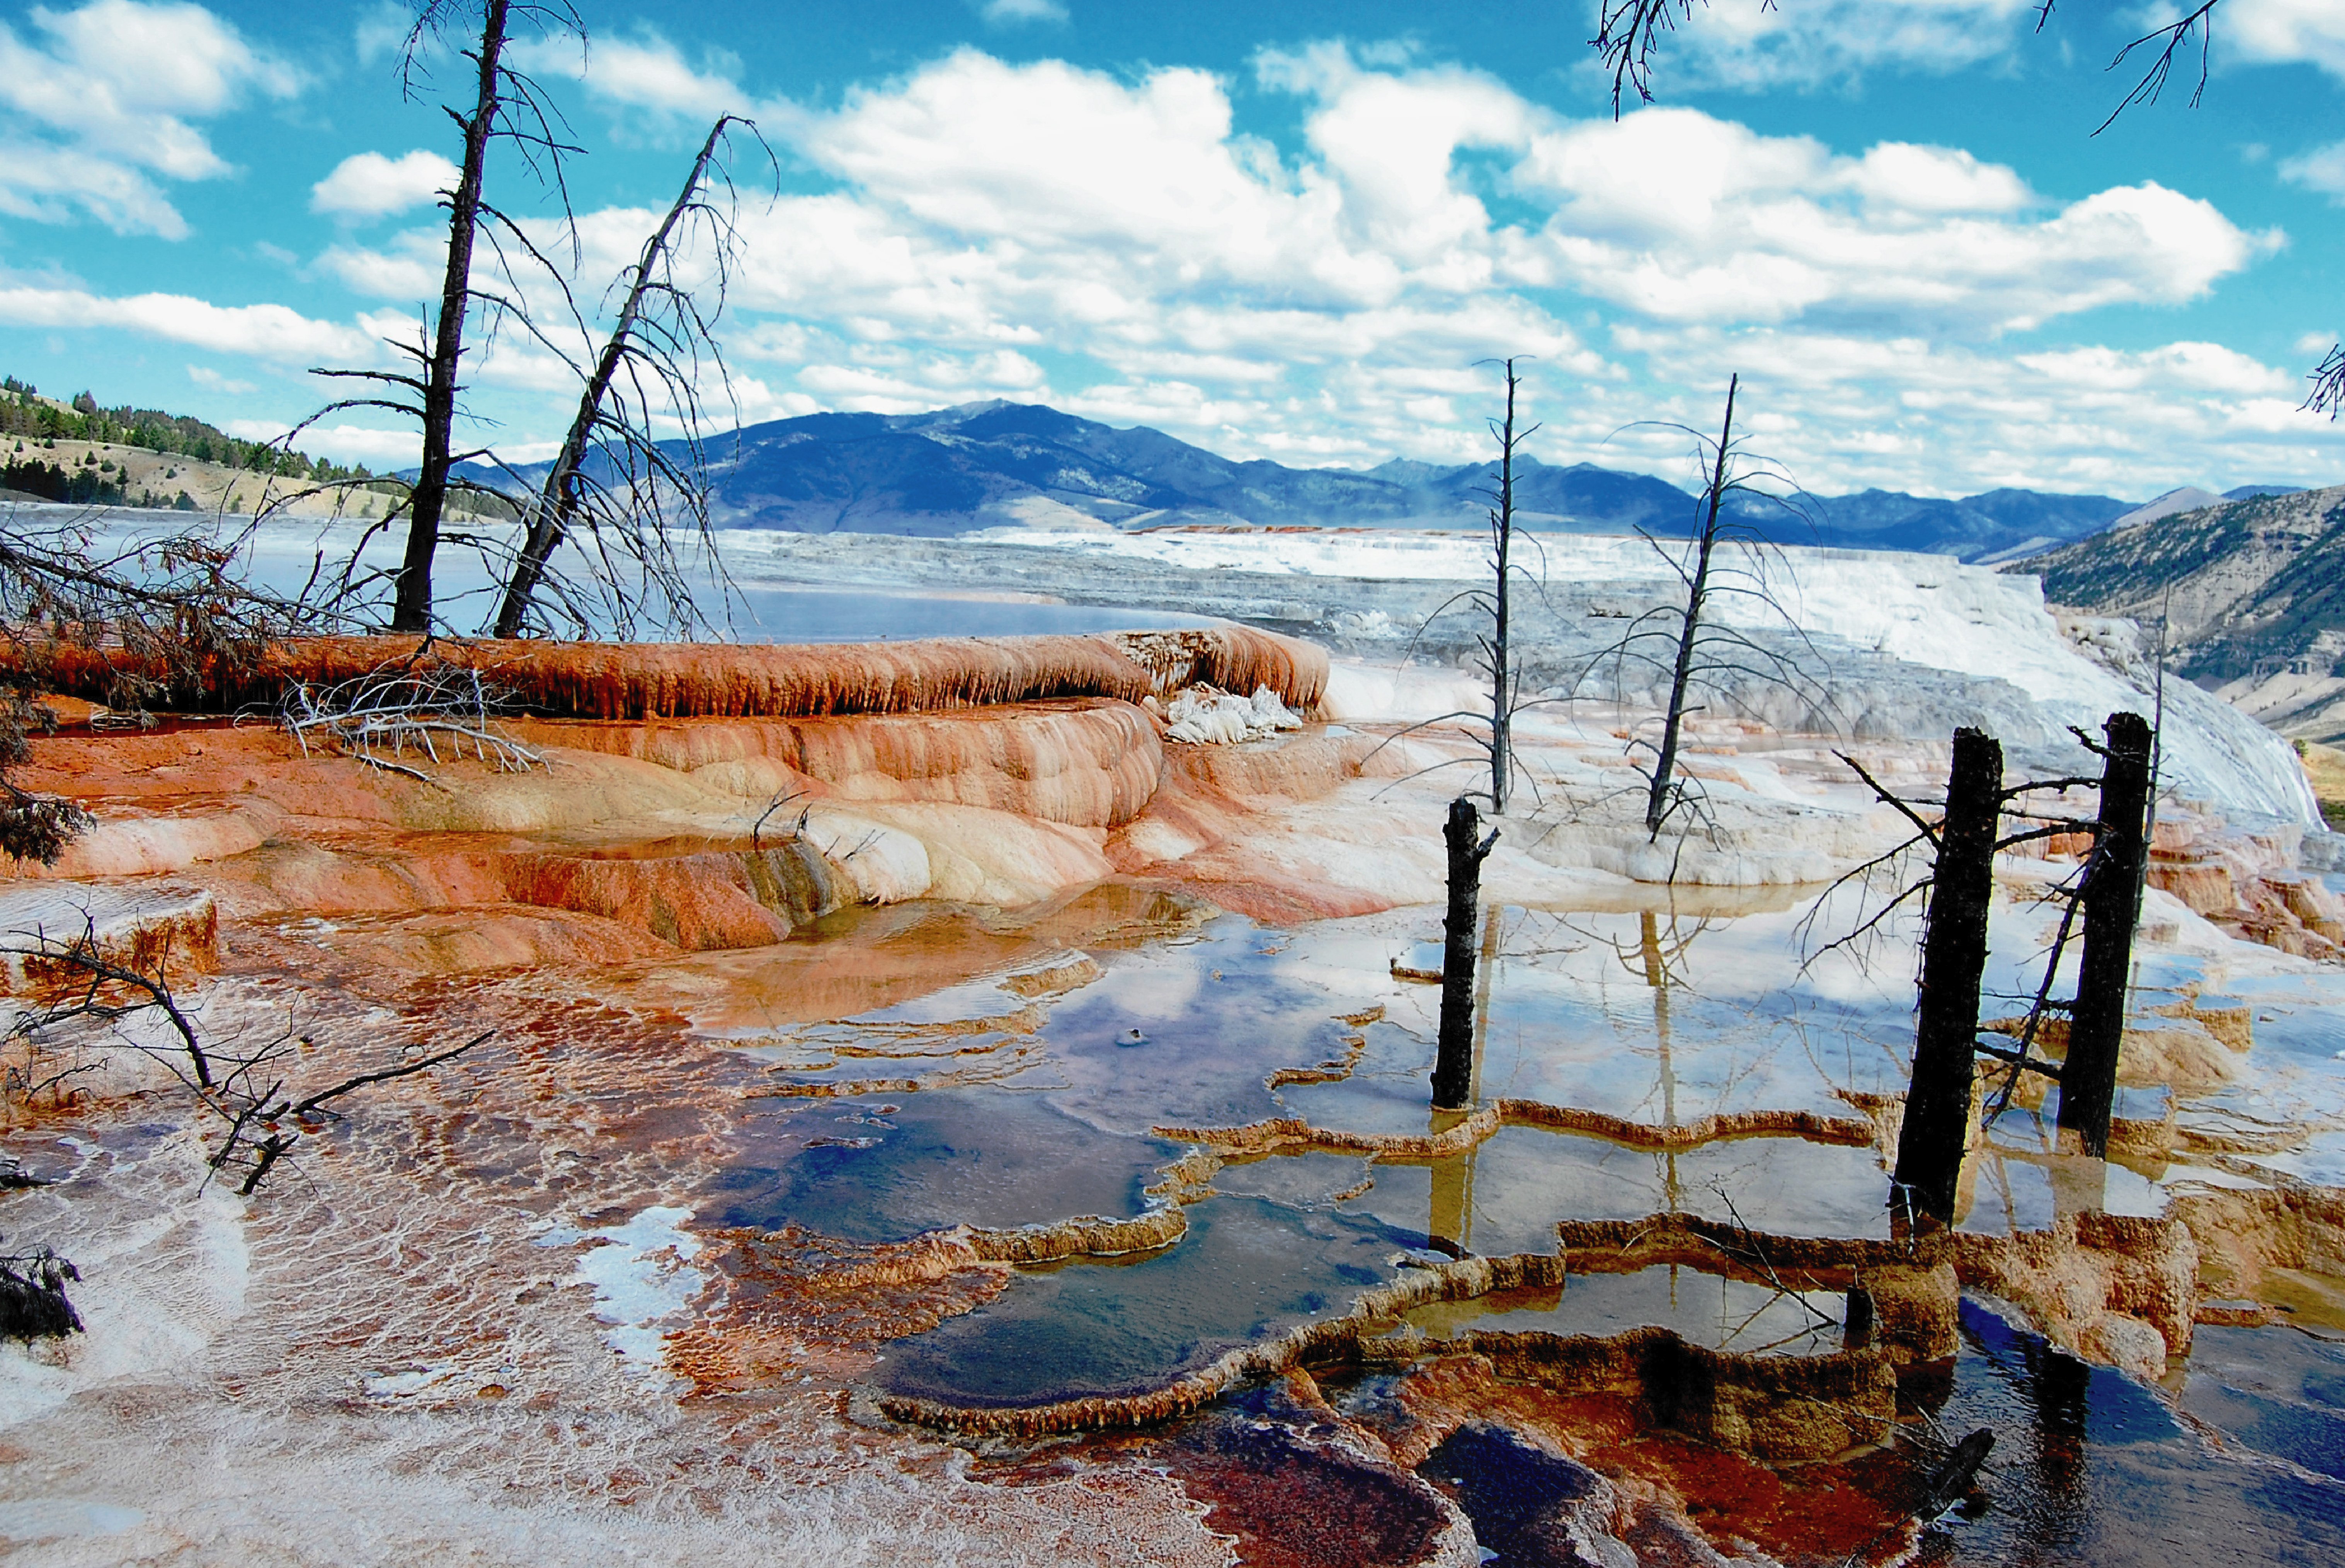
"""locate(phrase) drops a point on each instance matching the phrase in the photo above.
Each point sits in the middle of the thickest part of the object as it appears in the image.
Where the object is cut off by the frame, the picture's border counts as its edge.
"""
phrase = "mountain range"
(997, 463)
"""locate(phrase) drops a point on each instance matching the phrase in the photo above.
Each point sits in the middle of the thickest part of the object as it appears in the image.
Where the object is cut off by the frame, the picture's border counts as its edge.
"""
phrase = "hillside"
(80, 454)
(2253, 593)
(994, 465)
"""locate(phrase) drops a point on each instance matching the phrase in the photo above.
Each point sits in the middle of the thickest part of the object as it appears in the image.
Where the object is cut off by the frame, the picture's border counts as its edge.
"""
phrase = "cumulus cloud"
(411, 267)
(1748, 46)
(1016, 12)
(2321, 170)
(1678, 215)
(1327, 306)
(643, 75)
(384, 450)
(1116, 246)
(1843, 411)
(96, 104)
(369, 185)
(212, 381)
(264, 332)
(2280, 32)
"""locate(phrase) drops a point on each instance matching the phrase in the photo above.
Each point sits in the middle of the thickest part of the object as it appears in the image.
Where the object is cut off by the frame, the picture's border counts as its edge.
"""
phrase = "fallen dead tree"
(737, 681)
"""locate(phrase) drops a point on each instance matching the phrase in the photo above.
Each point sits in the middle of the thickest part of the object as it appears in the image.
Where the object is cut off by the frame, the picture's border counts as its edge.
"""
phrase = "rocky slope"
(2251, 591)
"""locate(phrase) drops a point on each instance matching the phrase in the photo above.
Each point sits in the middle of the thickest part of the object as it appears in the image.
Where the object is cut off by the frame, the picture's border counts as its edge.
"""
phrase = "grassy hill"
(81, 454)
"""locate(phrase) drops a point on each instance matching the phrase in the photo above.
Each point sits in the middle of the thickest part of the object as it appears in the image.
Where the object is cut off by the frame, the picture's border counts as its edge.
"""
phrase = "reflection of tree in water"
(1658, 959)
(2043, 1499)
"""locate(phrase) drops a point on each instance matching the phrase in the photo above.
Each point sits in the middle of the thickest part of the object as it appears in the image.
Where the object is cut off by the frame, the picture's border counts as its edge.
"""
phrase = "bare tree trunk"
(1453, 1068)
(1502, 529)
(1657, 802)
(558, 501)
(1953, 959)
(411, 608)
(2088, 1078)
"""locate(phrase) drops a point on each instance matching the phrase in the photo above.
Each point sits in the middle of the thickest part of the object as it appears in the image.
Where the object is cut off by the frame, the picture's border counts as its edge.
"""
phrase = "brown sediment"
(2115, 1289)
(1089, 1237)
(1299, 767)
(1332, 1339)
(1363, 1511)
(1070, 973)
(2094, 1283)
(625, 680)
(1082, 761)
(1335, 1070)
(1779, 1408)
(2198, 1051)
(1293, 1135)
(1663, 1481)
(168, 932)
(2243, 1234)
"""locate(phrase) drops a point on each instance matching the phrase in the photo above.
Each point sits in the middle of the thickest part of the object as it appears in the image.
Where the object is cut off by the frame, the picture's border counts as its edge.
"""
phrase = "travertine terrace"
(1088, 1006)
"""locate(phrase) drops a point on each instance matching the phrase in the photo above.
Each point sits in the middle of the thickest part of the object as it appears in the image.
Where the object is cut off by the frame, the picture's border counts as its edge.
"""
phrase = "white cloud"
(412, 267)
(264, 332)
(1680, 216)
(2278, 32)
(1016, 12)
(645, 73)
(991, 219)
(213, 381)
(383, 450)
(96, 103)
(369, 185)
(382, 31)
(1844, 411)
(2321, 170)
(1749, 46)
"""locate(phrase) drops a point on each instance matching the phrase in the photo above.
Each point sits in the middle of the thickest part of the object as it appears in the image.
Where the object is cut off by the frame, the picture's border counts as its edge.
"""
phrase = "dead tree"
(506, 104)
(1665, 758)
(165, 613)
(2112, 899)
(1937, 1125)
(1959, 889)
(1497, 664)
(1453, 1069)
(1497, 661)
(654, 352)
(377, 717)
(411, 608)
(1681, 640)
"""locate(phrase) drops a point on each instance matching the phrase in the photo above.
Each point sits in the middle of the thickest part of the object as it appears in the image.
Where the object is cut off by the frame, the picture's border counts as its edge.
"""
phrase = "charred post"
(1453, 1066)
(1953, 958)
(2112, 894)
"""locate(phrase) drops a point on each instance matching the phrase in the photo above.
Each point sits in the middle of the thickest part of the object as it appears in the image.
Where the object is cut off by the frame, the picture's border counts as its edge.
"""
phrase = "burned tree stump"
(2112, 897)
(1453, 1064)
(1953, 958)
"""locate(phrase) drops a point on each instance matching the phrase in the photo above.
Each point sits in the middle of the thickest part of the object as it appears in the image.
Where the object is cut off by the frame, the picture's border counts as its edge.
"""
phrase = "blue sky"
(1287, 231)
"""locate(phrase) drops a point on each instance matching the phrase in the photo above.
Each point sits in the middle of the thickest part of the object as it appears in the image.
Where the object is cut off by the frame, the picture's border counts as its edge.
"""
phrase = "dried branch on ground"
(378, 717)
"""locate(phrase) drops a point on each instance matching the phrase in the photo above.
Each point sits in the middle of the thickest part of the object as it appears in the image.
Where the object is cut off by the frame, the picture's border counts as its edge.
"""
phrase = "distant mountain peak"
(2188, 498)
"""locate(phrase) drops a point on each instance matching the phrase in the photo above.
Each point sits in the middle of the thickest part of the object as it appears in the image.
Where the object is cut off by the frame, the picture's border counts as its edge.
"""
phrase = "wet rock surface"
(779, 1172)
